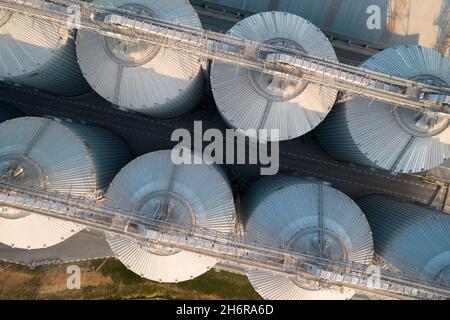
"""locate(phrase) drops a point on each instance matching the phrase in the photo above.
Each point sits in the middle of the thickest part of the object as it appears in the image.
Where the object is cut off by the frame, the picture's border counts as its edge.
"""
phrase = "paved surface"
(86, 245)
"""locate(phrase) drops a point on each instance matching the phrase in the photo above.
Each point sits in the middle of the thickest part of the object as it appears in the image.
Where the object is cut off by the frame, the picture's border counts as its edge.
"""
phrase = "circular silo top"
(250, 99)
(413, 238)
(56, 156)
(306, 217)
(187, 194)
(138, 75)
(401, 139)
(27, 44)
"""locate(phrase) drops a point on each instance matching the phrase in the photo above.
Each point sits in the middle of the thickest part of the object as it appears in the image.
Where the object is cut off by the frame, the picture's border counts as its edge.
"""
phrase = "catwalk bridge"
(223, 246)
(278, 61)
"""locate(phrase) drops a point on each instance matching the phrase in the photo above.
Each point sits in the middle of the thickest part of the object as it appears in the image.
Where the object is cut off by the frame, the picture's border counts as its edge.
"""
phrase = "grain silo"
(377, 134)
(8, 112)
(411, 238)
(379, 23)
(56, 156)
(39, 54)
(307, 217)
(252, 100)
(140, 76)
(187, 194)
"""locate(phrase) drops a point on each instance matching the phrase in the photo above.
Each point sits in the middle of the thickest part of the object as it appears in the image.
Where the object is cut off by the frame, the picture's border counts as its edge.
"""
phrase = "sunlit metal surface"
(413, 239)
(252, 100)
(308, 217)
(287, 64)
(194, 194)
(377, 134)
(39, 54)
(139, 76)
(57, 156)
(220, 245)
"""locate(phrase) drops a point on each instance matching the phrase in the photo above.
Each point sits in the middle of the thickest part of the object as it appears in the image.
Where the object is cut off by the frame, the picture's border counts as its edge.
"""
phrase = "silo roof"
(399, 139)
(413, 238)
(26, 44)
(55, 156)
(272, 286)
(24, 230)
(285, 212)
(39, 54)
(252, 100)
(196, 194)
(141, 76)
(8, 112)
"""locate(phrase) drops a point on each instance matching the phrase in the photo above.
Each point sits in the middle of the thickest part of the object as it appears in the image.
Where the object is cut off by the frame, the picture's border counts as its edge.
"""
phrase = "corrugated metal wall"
(41, 55)
(376, 134)
(154, 81)
(71, 157)
(199, 194)
(402, 21)
(414, 239)
(281, 210)
(9, 112)
(58, 156)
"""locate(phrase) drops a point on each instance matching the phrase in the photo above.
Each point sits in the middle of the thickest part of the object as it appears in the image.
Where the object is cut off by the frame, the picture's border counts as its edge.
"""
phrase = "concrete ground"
(86, 245)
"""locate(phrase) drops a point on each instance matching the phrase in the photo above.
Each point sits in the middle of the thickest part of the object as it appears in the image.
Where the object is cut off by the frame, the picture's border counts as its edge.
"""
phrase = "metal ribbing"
(205, 193)
(167, 85)
(281, 207)
(348, 18)
(272, 286)
(41, 55)
(412, 238)
(245, 105)
(372, 133)
(59, 156)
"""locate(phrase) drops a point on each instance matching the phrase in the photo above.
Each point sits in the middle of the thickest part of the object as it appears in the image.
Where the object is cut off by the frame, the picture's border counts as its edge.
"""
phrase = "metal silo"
(153, 186)
(139, 76)
(39, 54)
(413, 239)
(376, 134)
(56, 156)
(8, 112)
(252, 100)
(401, 22)
(307, 217)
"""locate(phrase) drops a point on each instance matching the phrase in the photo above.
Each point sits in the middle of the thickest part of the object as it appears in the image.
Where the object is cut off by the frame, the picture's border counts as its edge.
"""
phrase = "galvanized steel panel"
(283, 211)
(250, 100)
(58, 156)
(199, 195)
(412, 238)
(403, 22)
(39, 54)
(151, 80)
(380, 135)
